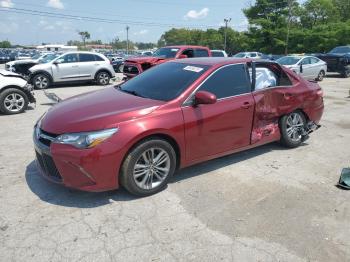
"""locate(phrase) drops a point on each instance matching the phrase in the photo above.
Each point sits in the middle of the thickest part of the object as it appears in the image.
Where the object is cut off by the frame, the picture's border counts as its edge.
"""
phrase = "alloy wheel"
(14, 102)
(295, 124)
(321, 76)
(41, 82)
(152, 167)
(104, 78)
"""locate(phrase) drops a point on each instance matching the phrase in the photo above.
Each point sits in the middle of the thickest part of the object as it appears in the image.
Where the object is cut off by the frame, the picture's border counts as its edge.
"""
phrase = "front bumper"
(93, 169)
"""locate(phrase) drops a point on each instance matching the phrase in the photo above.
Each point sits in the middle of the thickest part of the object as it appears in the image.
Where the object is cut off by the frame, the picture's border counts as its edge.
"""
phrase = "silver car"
(309, 67)
(71, 67)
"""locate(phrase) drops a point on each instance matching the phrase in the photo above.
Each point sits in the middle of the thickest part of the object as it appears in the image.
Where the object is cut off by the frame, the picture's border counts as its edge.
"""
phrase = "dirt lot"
(266, 204)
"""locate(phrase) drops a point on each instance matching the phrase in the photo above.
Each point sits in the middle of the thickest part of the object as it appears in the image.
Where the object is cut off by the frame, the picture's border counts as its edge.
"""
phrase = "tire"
(346, 73)
(148, 179)
(291, 129)
(320, 76)
(121, 68)
(13, 101)
(41, 81)
(103, 78)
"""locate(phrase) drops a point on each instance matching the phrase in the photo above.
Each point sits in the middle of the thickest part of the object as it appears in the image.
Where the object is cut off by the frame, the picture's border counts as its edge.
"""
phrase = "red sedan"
(174, 115)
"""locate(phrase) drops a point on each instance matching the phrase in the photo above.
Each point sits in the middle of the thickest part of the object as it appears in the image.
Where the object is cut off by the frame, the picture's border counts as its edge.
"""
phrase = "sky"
(107, 19)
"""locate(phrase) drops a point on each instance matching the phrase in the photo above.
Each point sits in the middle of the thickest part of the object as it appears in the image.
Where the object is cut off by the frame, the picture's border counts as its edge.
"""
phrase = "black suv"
(338, 60)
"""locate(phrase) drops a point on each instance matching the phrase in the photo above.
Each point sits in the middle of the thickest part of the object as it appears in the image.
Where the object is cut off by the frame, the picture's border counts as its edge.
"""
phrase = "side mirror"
(204, 97)
(56, 62)
(182, 56)
(301, 67)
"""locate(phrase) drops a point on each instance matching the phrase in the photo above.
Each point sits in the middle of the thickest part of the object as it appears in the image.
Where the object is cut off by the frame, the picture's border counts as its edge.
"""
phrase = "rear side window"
(201, 53)
(86, 58)
(69, 58)
(314, 60)
(98, 58)
(306, 61)
(228, 81)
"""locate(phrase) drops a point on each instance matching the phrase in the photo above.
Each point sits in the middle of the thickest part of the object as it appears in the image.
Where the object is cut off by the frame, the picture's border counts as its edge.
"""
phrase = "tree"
(5, 44)
(84, 35)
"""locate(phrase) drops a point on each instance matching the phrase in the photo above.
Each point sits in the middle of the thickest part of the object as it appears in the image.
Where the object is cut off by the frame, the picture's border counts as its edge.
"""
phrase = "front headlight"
(85, 139)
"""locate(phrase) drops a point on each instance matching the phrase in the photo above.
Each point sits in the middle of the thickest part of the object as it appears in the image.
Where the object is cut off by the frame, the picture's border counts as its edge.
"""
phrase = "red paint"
(202, 132)
(152, 61)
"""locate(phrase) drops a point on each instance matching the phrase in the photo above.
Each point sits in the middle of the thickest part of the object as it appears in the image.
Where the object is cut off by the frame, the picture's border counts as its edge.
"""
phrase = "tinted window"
(217, 54)
(86, 58)
(306, 61)
(69, 58)
(98, 58)
(252, 55)
(201, 53)
(164, 82)
(288, 60)
(341, 50)
(228, 81)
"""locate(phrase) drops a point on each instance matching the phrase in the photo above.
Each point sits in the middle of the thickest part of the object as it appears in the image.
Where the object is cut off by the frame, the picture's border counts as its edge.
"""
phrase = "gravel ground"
(265, 204)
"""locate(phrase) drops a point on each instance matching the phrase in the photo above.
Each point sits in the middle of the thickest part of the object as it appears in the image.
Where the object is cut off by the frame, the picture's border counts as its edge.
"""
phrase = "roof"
(211, 61)
(186, 46)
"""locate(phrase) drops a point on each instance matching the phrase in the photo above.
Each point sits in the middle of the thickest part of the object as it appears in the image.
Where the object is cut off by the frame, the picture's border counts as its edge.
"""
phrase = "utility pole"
(127, 39)
(288, 25)
(226, 21)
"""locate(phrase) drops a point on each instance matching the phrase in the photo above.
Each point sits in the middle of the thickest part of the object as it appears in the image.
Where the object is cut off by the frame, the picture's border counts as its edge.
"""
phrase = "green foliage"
(5, 44)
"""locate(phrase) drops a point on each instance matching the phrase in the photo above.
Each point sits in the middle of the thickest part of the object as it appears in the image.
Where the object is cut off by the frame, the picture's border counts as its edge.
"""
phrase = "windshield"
(340, 50)
(48, 58)
(166, 52)
(37, 56)
(164, 82)
(240, 55)
(288, 60)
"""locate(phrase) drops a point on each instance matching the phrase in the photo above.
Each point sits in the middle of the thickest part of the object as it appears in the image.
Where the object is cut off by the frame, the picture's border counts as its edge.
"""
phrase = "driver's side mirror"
(204, 97)
(182, 56)
(58, 61)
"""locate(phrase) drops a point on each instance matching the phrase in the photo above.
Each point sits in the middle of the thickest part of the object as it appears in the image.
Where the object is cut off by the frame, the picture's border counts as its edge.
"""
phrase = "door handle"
(246, 105)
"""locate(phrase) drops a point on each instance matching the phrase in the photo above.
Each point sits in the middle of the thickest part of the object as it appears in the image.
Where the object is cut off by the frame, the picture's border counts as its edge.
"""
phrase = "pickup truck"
(338, 60)
(136, 65)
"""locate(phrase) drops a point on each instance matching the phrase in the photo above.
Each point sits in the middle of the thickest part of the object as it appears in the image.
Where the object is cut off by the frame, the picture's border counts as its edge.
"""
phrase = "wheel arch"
(34, 74)
(103, 70)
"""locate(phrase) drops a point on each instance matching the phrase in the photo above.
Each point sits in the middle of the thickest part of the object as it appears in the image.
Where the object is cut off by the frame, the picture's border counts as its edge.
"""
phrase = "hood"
(147, 59)
(95, 111)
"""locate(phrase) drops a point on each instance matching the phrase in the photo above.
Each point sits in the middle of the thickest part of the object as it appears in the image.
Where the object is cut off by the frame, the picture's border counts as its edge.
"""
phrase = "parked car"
(4, 57)
(309, 67)
(218, 53)
(15, 93)
(22, 66)
(137, 65)
(174, 115)
(72, 67)
(338, 60)
(118, 66)
(253, 55)
(271, 57)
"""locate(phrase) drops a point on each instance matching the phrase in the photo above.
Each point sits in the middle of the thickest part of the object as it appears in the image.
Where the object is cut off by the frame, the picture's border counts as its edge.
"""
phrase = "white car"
(309, 67)
(252, 55)
(72, 67)
(15, 93)
(218, 53)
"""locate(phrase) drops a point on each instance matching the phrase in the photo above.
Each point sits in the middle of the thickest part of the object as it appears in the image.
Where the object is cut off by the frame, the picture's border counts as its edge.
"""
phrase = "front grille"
(46, 137)
(130, 69)
(48, 166)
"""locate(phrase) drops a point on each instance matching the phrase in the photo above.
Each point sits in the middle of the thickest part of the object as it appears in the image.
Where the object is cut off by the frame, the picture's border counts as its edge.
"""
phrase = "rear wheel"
(41, 81)
(292, 127)
(148, 167)
(346, 73)
(103, 78)
(13, 101)
(321, 75)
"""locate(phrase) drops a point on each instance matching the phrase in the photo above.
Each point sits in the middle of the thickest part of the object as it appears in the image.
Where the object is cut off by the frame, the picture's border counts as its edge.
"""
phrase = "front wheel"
(292, 128)
(41, 81)
(13, 101)
(103, 78)
(148, 167)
